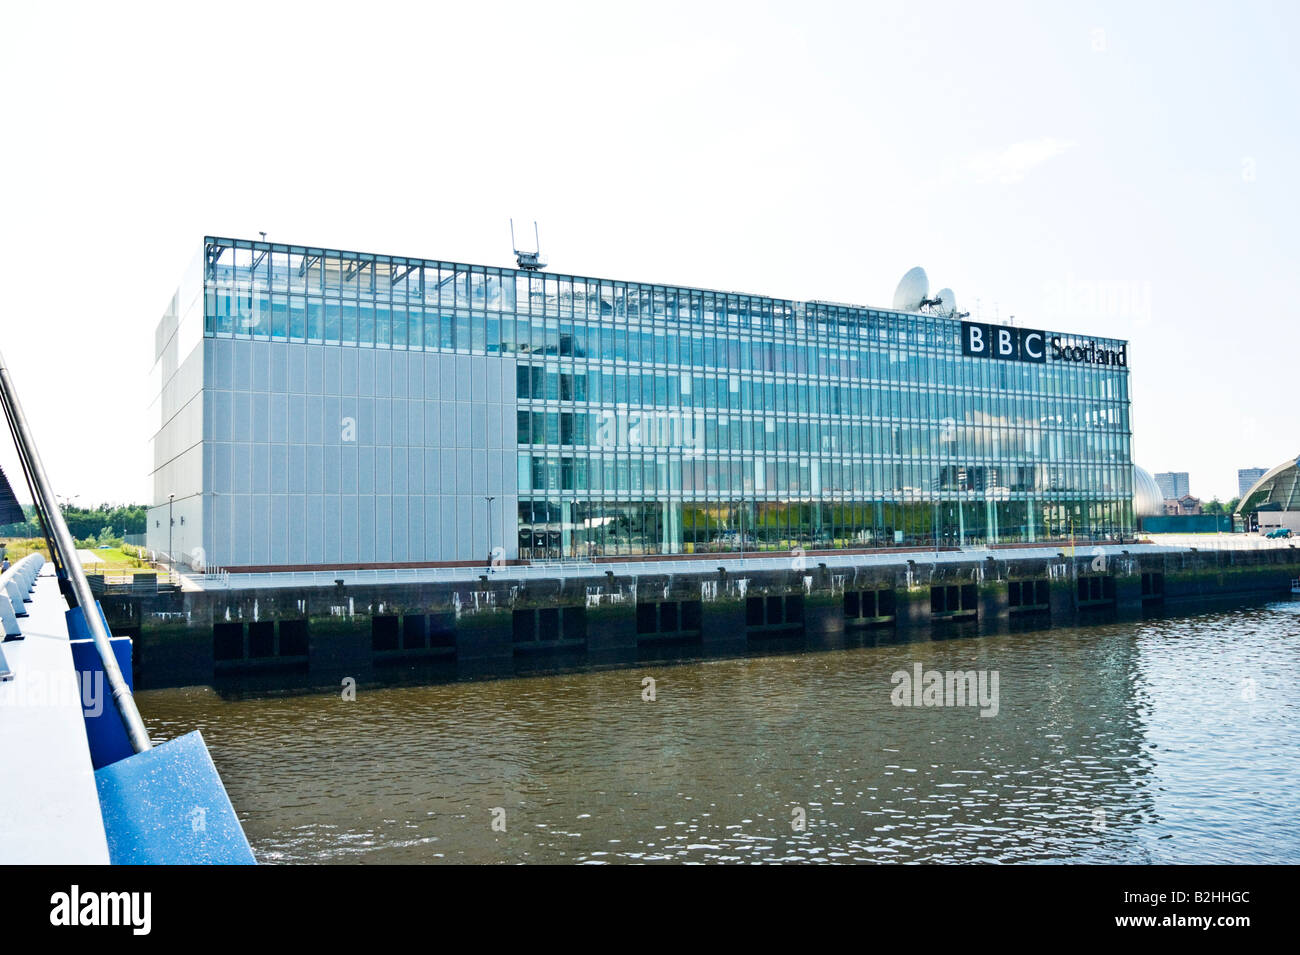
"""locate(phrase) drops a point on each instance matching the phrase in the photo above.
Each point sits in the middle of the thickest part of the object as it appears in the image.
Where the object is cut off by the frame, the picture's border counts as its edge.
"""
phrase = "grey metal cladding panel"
(261, 417)
(366, 470)
(243, 365)
(279, 369)
(241, 425)
(279, 529)
(415, 542)
(279, 469)
(448, 427)
(383, 424)
(398, 529)
(330, 504)
(315, 371)
(297, 529)
(348, 469)
(297, 419)
(261, 479)
(492, 367)
(399, 471)
(383, 529)
(366, 527)
(463, 365)
(315, 469)
(478, 379)
(449, 529)
(383, 470)
(297, 369)
(508, 381)
(223, 467)
(383, 379)
(297, 469)
(397, 433)
(477, 437)
(333, 465)
(447, 468)
(432, 476)
(223, 414)
(315, 529)
(261, 536)
(241, 545)
(493, 428)
(432, 429)
(415, 471)
(261, 355)
(473, 528)
(447, 378)
(314, 433)
(478, 472)
(348, 380)
(464, 475)
(494, 473)
(415, 375)
(280, 418)
(364, 412)
(218, 530)
(349, 551)
(415, 423)
(432, 528)
(210, 346)
(432, 375)
(333, 371)
(331, 418)
(241, 469)
(365, 372)
(398, 374)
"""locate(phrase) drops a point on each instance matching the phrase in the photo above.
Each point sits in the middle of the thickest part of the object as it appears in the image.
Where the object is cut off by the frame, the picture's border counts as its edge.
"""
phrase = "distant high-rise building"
(1246, 478)
(1173, 484)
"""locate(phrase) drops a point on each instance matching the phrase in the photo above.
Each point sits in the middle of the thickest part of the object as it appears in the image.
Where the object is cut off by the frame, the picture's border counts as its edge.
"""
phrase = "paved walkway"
(49, 806)
(1165, 543)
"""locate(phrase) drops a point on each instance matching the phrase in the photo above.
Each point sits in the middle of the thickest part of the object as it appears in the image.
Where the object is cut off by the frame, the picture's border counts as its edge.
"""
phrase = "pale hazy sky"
(1126, 169)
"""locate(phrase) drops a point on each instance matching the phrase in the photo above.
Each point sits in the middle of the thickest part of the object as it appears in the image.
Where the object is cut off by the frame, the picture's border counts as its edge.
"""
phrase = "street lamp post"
(489, 499)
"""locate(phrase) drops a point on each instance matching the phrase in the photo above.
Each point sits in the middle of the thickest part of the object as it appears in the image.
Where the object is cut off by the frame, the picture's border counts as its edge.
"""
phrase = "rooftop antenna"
(529, 261)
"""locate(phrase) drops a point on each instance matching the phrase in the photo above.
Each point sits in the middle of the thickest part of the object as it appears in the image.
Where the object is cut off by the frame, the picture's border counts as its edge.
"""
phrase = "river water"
(1172, 740)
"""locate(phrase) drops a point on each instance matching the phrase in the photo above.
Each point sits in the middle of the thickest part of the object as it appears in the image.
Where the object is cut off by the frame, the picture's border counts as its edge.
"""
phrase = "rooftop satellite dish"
(947, 302)
(913, 289)
(530, 261)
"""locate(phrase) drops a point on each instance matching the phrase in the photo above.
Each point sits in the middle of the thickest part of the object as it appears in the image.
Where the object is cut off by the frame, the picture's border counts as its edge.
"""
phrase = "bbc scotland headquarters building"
(317, 408)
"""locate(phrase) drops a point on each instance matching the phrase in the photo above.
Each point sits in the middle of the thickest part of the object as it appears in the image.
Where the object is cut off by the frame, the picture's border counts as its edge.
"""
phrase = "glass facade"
(655, 419)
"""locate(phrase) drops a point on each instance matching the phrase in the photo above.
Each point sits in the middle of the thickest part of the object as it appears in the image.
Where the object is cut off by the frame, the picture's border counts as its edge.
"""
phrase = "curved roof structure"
(1147, 499)
(1278, 490)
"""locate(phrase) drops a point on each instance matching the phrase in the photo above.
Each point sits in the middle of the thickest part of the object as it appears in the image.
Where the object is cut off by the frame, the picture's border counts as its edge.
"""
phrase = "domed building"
(1147, 499)
(1274, 501)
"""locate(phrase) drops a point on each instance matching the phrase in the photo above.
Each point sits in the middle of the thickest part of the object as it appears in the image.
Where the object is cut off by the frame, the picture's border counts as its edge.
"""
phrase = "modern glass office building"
(324, 408)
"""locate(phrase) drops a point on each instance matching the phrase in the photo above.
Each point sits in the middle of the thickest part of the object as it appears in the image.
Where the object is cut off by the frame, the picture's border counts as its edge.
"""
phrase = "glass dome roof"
(1278, 490)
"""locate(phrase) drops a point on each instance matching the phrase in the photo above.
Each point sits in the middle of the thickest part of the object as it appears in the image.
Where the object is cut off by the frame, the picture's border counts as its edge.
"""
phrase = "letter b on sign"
(973, 339)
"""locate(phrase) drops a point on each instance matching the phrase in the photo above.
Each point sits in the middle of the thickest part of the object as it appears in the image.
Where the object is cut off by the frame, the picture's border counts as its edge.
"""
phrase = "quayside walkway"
(51, 811)
(1163, 544)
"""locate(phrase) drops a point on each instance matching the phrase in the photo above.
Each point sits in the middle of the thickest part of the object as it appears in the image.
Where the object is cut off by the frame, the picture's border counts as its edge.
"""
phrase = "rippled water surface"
(1162, 741)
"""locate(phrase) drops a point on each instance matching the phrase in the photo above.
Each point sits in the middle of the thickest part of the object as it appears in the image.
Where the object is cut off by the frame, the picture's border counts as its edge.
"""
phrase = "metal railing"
(16, 585)
(64, 550)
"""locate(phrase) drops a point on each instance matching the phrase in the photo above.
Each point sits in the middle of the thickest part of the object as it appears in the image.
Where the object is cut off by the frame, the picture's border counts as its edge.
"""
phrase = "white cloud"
(1011, 164)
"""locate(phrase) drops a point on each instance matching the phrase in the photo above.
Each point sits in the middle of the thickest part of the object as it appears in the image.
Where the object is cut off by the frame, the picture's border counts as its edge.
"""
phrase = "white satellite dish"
(913, 288)
(947, 301)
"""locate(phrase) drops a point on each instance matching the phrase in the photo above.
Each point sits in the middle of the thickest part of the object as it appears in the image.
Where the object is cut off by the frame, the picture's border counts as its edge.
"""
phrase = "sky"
(1118, 169)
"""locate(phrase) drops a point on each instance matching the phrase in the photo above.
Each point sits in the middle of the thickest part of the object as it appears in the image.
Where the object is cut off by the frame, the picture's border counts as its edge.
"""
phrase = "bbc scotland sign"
(1031, 344)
